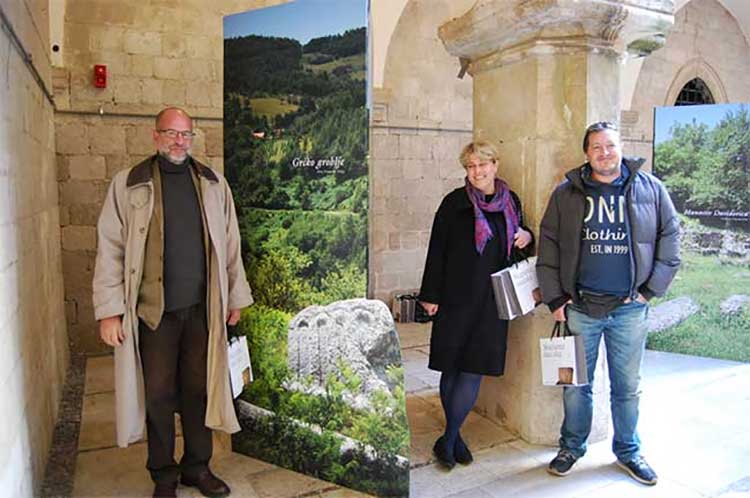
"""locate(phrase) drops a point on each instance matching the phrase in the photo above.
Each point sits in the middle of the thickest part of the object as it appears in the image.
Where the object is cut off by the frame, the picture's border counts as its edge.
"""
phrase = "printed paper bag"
(240, 370)
(516, 289)
(525, 284)
(503, 290)
(563, 358)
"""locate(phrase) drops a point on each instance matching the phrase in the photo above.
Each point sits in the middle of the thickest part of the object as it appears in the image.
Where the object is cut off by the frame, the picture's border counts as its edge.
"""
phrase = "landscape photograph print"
(702, 154)
(328, 396)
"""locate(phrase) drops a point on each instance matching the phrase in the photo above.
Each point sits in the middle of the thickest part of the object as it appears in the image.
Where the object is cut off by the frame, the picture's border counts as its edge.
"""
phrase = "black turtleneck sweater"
(184, 253)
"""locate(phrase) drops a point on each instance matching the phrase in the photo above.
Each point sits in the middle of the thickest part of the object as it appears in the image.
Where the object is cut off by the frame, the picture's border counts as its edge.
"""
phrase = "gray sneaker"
(639, 470)
(562, 463)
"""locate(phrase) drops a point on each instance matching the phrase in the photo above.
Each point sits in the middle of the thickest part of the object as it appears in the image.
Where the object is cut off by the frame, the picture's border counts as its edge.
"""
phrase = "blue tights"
(458, 393)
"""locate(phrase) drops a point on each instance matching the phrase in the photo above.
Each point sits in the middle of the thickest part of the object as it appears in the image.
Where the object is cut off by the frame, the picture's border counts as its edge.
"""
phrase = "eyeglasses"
(186, 135)
(481, 164)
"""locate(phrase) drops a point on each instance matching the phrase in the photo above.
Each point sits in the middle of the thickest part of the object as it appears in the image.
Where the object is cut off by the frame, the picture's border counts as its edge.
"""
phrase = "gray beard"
(178, 163)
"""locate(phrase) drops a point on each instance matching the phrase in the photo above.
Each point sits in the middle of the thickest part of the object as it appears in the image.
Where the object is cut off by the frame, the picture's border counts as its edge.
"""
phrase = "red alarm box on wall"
(100, 76)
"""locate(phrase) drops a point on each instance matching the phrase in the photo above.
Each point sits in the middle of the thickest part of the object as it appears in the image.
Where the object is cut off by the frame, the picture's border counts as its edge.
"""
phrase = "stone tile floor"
(695, 424)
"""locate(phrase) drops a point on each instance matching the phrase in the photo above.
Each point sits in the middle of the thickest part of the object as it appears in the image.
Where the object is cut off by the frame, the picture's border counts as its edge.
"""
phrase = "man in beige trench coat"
(168, 279)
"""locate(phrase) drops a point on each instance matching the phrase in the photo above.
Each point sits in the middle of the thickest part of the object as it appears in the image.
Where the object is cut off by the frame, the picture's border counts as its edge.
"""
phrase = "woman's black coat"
(451, 258)
(467, 334)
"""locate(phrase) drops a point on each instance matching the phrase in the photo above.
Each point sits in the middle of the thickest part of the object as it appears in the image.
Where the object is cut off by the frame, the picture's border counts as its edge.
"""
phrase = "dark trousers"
(174, 371)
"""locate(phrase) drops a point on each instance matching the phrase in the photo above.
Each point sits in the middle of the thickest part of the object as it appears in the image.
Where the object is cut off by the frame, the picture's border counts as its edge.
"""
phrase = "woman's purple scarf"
(500, 202)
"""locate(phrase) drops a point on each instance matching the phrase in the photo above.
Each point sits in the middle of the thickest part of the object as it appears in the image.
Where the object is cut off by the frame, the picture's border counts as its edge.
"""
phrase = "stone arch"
(384, 18)
(421, 116)
(419, 69)
(734, 7)
(696, 68)
(706, 42)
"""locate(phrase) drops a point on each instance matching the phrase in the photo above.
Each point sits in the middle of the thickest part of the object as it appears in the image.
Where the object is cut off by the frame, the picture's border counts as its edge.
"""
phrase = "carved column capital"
(498, 32)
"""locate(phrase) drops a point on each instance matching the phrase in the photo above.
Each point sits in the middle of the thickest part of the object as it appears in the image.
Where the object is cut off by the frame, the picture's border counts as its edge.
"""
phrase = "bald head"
(169, 113)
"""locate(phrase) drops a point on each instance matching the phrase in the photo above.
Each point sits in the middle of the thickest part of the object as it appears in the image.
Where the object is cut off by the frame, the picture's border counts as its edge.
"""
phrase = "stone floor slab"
(282, 483)
(100, 376)
(632, 489)
(504, 460)
(421, 447)
(414, 357)
(423, 418)
(113, 472)
(121, 472)
(432, 481)
(471, 493)
(413, 334)
(480, 432)
(690, 406)
(413, 384)
(98, 421)
(537, 483)
(342, 493)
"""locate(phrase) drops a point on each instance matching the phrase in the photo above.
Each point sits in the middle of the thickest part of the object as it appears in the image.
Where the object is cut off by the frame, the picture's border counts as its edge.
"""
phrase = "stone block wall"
(422, 117)
(91, 150)
(412, 169)
(33, 340)
(157, 54)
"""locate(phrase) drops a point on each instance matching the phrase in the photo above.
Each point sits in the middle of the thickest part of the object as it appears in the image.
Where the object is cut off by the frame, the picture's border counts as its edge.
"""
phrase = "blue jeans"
(624, 331)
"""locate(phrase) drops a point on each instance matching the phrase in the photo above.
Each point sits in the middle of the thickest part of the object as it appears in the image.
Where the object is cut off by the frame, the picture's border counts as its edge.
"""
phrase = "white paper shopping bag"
(240, 370)
(516, 289)
(563, 358)
(525, 284)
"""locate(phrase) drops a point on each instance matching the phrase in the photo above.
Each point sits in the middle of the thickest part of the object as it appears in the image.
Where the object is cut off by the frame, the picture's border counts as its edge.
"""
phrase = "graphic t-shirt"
(604, 267)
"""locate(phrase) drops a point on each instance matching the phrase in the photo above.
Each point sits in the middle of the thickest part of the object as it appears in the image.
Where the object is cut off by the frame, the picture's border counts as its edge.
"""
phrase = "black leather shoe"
(165, 490)
(444, 454)
(461, 452)
(208, 484)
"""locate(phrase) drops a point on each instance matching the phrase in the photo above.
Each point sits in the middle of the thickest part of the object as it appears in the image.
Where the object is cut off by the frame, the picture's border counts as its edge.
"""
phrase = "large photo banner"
(327, 398)
(702, 154)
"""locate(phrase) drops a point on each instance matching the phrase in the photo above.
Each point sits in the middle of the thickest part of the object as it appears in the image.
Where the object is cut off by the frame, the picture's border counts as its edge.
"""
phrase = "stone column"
(543, 70)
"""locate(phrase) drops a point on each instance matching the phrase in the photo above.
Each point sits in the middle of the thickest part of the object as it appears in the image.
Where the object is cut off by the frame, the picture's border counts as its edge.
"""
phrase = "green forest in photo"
(295, 156)
(707, 172)
(707, 168)
(295, 138)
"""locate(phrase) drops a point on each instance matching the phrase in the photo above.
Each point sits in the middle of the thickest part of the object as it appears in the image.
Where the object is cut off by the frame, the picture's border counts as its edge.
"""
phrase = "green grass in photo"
(707, 333)
(271, 107)
(355, 62)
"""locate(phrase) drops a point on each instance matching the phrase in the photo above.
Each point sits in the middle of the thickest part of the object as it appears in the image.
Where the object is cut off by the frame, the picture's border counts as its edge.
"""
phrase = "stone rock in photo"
(357, 333)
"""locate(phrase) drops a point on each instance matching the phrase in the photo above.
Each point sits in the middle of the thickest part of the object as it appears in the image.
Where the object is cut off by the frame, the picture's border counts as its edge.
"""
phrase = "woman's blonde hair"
(482, 149)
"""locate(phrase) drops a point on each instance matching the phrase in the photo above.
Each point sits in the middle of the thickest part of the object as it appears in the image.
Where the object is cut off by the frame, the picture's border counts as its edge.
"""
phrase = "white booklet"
(240, 370)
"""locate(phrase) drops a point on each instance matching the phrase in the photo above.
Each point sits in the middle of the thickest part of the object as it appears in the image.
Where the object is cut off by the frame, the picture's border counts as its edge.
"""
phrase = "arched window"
(695, 92)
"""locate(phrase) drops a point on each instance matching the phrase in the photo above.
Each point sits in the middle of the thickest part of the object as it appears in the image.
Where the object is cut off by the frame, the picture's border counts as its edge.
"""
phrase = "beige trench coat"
(122, 231)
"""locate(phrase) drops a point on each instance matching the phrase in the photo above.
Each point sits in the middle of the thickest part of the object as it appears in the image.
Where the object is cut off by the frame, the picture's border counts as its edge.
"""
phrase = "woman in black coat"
(474, 231)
